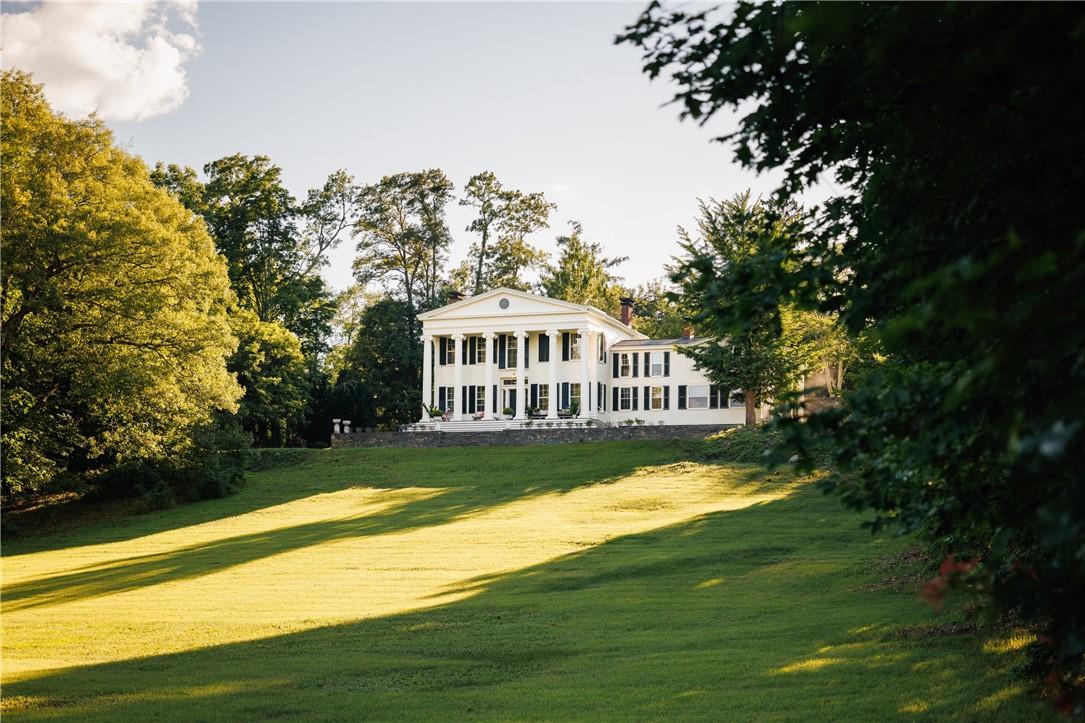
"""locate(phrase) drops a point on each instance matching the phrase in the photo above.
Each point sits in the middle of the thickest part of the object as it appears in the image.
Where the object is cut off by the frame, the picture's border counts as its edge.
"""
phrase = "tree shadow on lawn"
(750, 614)
(456, 494)
(305, 473)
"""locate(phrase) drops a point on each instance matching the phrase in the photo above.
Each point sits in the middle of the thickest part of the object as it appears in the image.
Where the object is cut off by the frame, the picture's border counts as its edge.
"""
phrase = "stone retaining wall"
(522, 436)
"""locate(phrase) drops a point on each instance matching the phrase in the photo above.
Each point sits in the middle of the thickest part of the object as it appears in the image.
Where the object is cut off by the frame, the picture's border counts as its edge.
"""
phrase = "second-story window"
(574, 346)
(480, 351)
(450, 351)
(657, 363)
(624, 369)
(512, 353)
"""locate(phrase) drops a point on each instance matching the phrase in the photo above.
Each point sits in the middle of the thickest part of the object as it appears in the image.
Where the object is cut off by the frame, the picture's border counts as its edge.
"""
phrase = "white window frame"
(574, 395)
(480, 397)
(450, 400)
(731, 399)
(702, 398)
(625, 366)
(480, 350)
(655, 398)
(574, 347)
(654, 364)
(450, 352)
(512, 352)
(544, 397)
(625, 399)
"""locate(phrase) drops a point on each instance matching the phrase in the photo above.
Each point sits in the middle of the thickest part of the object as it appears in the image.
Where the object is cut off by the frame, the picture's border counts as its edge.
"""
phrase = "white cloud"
(124, 60)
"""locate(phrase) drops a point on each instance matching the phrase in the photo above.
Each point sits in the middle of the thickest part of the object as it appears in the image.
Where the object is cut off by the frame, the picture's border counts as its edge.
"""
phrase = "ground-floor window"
(697, 397)
(625, 399)
(544, 397)
(574, 396)
(446, 398)
(480, 398)
(656, 399)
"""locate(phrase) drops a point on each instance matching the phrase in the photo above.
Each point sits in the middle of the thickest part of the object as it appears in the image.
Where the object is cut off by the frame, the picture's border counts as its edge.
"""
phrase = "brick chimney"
(687, 330)
(627, 311)
(455, 295)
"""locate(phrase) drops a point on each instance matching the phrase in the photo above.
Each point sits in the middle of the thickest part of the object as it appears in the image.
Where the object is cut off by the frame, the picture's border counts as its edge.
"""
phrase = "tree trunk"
(481, 260)
(751, 408)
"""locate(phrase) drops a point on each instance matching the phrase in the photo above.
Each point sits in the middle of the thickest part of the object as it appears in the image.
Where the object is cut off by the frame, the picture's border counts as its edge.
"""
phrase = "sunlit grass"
(587, 581)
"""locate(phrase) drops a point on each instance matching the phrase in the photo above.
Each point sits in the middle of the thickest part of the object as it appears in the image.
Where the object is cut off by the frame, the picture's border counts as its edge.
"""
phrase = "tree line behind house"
(154, 316)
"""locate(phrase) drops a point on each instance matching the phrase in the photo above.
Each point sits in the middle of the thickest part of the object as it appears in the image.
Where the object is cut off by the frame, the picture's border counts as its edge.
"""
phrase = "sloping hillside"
(586, 581)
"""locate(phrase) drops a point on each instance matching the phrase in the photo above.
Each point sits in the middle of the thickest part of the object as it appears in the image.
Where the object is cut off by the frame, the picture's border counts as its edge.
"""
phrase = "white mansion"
(506, 358)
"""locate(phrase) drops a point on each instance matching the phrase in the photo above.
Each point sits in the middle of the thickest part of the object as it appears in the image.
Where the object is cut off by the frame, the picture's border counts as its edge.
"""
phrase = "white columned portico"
(427, 375)
(521, 405)
(458, 377)
(552, 403)
(585, 358)
(490, 338)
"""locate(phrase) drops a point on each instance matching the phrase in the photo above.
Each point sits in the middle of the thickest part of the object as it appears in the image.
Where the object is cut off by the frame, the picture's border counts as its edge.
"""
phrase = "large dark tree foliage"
(955, 134)
(381, 379)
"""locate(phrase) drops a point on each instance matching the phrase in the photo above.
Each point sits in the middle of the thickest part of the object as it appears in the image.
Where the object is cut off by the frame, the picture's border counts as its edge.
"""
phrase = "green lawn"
(594, 581)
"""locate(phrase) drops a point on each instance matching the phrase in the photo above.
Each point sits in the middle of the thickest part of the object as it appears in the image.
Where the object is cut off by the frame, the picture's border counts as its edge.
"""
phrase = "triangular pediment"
(503, 302)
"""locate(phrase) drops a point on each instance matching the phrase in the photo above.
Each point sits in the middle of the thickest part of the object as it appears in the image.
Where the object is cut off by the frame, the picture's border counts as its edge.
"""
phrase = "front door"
(508, 395)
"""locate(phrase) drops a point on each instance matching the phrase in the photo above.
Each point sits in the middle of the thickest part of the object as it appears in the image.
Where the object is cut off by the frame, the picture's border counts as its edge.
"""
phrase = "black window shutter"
(564, 395)
(493, 404)
(441, 341)
(615, 395)
(512, 400)
(463, 353)
(666, 363)
(526, 353)
(647, 365)
(681, 396)
(534, 395)
(647, 398)
(667, 397)
(635, 356)
(544, 348)
(441, 398)
(463, 400)
(565, 346)
(472, 350)
(493, 346)
(713, 396)
(614, 357)
(633, 395)
(501, 352)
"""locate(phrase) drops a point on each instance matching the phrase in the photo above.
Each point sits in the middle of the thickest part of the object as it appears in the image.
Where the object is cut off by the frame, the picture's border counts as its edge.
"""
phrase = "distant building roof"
(661, 342)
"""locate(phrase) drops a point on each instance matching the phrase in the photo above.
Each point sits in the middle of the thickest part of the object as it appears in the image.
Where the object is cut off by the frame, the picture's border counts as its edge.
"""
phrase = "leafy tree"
(582, 275)
(658, 313)
(114, 302)
(385, 361)
(511, 216)
(955, 241)
(402, 237)
(328, 212)
(769, 354)
(432, 192)
(270, 365)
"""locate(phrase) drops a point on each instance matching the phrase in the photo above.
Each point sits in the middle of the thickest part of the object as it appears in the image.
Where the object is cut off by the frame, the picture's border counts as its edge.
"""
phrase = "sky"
(537, 93)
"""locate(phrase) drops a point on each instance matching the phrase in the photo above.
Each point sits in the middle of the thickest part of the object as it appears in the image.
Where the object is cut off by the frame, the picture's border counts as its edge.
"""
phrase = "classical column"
(427, 375)
(585, 357)
(593, 371)
(521, 336)
(458, 376)
(491, 339)
(552, 409)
